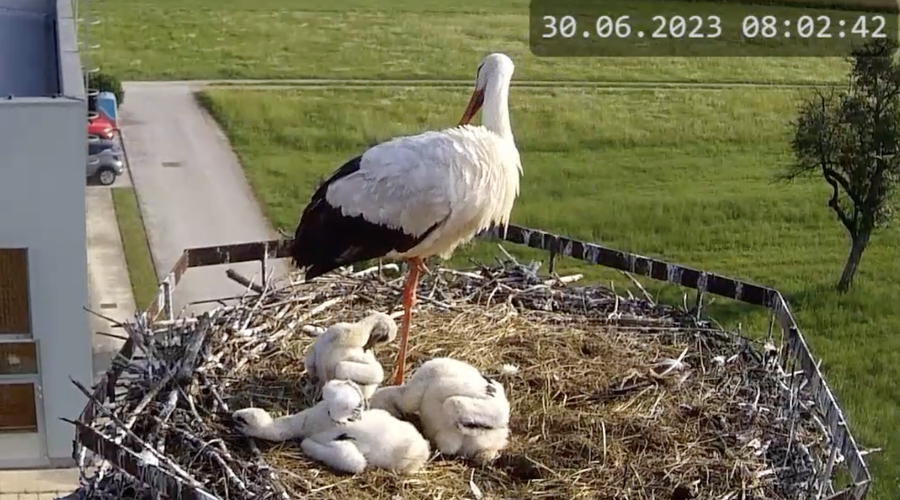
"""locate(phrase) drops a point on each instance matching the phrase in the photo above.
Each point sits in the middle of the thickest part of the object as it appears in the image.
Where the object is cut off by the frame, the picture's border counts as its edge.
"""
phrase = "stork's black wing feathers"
(326, 239)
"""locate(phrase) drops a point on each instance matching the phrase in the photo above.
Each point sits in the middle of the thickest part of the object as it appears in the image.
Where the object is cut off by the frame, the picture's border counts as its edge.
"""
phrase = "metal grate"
(171, 164)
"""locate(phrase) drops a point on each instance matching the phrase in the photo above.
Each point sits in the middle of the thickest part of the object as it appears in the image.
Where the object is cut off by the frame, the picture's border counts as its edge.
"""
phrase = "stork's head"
(494, 69)
(343, 400)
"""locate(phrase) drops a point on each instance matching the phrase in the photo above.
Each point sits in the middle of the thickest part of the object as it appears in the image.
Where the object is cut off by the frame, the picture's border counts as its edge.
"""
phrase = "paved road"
(190, 186)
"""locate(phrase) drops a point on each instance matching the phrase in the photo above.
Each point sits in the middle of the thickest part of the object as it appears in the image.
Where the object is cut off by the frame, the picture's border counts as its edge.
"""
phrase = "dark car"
(97, 146)
(105, 161)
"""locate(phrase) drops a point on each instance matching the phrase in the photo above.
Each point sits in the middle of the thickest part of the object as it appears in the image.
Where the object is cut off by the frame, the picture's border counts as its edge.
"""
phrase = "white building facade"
(44, 336)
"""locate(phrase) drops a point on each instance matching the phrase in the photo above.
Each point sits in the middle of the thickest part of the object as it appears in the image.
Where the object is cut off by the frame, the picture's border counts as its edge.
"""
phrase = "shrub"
(105, 82)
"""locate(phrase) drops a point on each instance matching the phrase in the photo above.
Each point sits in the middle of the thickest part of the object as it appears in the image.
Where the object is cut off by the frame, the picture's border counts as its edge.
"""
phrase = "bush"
(105, 82)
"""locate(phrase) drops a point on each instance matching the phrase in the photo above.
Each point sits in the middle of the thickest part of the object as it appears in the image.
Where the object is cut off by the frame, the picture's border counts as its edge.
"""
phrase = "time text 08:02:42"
(752, 27)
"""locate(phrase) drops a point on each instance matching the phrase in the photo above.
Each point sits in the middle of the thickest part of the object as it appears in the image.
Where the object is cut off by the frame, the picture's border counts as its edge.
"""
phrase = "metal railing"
(795, 351)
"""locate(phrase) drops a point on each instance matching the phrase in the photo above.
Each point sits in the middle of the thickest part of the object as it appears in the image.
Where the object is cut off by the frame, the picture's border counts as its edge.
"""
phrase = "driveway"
(190, 187)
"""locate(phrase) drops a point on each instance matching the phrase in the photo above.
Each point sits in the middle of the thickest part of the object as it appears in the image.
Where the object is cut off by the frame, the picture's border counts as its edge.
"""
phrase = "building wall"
(42, 183)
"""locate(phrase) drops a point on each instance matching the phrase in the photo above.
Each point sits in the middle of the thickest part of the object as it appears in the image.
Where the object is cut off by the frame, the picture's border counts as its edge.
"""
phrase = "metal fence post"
(265, 265)
(167, 300)
(701, 288)
(554, 249)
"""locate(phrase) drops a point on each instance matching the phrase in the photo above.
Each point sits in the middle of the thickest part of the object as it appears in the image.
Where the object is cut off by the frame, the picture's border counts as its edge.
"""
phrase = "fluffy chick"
(462, 412)
(344, 352)
(340, 434)
(377, 439)
(342, 402)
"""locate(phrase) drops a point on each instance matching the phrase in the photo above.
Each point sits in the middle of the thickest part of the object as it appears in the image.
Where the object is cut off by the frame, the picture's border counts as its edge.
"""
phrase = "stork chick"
(344, 352)
(462, 412)
(377, 439)
(342, 402)
(340, 434)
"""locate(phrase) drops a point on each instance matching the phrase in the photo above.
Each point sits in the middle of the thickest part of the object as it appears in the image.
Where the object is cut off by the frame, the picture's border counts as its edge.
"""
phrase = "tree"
(850, 138)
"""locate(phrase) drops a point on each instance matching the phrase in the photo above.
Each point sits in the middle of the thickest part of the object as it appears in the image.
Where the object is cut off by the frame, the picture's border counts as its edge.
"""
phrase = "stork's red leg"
(409, 299)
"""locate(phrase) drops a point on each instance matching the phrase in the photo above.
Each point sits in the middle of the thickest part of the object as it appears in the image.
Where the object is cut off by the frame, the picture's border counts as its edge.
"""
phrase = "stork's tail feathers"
(304, 262)
(310, 250)
(298, 258)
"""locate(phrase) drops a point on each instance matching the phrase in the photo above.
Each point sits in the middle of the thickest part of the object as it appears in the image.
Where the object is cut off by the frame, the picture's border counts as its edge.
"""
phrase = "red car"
(100, 126)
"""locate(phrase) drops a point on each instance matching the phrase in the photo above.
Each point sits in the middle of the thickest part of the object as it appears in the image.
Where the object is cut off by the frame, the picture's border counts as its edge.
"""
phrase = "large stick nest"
(611, 397)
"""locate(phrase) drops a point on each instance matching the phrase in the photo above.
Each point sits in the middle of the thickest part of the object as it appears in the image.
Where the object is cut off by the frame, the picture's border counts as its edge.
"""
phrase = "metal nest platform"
(155, 473)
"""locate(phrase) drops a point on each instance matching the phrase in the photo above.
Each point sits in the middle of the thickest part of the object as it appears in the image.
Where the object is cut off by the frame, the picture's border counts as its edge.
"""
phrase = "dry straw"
(611, 397)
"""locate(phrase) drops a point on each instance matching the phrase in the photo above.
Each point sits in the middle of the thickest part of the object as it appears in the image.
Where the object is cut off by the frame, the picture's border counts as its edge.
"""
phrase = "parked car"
(106, 165)
(105, 146)
(98, 125)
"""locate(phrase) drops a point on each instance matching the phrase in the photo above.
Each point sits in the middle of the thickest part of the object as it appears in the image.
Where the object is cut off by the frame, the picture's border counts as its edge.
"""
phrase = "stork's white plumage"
(418, 196)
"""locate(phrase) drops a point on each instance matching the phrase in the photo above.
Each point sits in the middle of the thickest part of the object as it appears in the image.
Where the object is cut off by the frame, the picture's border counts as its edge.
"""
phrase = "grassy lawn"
(685, 176)
(431, 39)
(137, 251)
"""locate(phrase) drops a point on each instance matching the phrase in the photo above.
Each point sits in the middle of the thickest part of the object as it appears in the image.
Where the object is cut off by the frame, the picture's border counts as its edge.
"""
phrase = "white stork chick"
(342, 402)
(419, 195)
(377, 439)
(462, 412)
(344, 352)
(340, 434)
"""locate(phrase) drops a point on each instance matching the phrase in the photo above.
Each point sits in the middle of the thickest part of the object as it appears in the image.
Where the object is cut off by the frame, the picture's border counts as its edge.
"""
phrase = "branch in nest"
(235, 276)
(120, 425)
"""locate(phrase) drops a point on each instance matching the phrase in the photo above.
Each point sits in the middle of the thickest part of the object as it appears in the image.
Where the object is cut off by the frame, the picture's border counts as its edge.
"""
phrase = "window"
(14, 308)
(18, 358)
(17, 407)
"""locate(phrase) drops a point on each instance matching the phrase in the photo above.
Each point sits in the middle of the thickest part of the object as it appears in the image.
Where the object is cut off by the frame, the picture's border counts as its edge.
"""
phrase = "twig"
(637, 283)
(112, 322)
(184, 475)
(235, 276)
(211, 452)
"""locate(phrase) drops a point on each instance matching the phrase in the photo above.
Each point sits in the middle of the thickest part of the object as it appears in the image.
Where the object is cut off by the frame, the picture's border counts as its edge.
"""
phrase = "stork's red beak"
(474, 105)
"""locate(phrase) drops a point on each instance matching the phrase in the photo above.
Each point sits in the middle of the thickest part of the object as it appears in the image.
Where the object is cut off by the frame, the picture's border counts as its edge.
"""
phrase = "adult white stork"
(417, 196)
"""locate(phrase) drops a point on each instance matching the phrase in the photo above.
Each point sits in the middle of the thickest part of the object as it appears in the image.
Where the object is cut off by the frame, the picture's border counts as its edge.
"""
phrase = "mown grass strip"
(137, 250)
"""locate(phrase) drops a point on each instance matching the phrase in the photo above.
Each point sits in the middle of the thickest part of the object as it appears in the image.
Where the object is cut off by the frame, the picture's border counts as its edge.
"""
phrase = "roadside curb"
(139, 204)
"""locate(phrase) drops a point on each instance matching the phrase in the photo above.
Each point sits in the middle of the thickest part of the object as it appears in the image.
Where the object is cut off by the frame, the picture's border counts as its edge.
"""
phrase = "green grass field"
(683, 175)
(431, 39)
(137, 251)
